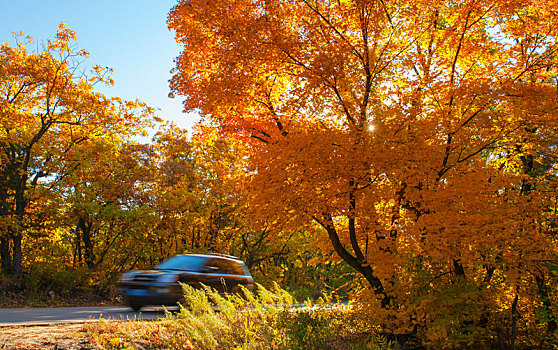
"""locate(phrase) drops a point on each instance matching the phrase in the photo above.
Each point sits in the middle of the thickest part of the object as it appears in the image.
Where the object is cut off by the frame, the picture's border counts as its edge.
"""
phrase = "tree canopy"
(418, 136)
(48, 110)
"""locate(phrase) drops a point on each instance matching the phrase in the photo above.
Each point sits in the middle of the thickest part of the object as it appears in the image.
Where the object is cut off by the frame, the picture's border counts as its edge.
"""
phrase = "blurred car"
(160, 285)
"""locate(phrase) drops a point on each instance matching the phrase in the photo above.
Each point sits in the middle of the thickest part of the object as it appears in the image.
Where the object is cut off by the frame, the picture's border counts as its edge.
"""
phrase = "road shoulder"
(60, 337)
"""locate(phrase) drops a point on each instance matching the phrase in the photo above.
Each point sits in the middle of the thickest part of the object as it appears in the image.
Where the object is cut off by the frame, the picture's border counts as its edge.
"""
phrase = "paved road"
(43, 316)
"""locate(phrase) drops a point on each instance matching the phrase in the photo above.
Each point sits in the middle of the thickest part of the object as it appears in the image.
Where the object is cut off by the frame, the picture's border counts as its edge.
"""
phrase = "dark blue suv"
(160, 286)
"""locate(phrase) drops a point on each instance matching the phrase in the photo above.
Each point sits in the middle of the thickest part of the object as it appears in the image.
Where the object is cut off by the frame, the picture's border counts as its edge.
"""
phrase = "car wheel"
(136, 307)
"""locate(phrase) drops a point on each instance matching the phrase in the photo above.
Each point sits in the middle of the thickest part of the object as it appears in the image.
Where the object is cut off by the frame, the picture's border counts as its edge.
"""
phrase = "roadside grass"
(265, 319)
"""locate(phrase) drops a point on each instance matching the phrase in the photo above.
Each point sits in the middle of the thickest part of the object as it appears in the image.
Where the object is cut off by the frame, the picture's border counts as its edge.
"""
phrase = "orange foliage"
(419, 135)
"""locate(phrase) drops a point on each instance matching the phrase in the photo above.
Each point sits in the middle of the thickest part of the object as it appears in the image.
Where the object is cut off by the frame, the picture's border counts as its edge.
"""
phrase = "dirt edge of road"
(70, 336)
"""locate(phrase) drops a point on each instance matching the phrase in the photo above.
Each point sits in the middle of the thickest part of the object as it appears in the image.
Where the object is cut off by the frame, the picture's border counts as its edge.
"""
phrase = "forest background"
(401, 154)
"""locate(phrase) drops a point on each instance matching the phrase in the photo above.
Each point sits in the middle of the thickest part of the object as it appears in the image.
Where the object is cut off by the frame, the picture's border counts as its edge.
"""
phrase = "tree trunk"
(514, 322)
(551, 325)
(5, 255)
(5, 230)
(17, 257)
(365, 270)
(77, 249)
(89, 255)
(20, 205)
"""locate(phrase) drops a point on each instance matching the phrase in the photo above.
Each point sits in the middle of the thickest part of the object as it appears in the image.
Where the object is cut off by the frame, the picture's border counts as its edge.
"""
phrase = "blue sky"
(129, 36)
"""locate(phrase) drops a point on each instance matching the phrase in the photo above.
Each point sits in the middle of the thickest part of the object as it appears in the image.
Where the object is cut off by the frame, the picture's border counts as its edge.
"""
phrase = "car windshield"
(183, 262)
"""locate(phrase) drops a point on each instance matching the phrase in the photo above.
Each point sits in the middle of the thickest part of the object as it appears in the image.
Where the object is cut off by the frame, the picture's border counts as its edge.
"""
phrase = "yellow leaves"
(101, 74)
(65, 34)
(62, 40)
(48, 113)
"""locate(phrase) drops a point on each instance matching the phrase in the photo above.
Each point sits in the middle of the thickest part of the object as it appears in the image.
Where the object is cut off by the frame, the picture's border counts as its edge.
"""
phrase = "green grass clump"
(329, 329)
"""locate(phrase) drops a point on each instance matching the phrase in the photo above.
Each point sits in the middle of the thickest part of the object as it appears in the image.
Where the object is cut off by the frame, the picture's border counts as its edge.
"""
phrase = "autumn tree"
(106, 203)
(196, 184)
(48, 106)
(417, 136)
(175, 184)
(201, 199)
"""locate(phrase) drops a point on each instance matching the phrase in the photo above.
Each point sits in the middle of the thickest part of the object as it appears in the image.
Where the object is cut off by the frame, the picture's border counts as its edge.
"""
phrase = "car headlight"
(167, 278)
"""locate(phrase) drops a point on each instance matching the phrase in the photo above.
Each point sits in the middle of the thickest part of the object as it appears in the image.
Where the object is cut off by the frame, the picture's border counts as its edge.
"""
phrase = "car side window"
(211, 265)
(235, 268)
(217, 266)
(224, 266)
(227, 267)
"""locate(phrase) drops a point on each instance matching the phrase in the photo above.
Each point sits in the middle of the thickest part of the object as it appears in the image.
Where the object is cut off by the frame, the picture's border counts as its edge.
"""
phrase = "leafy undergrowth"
(23, 300)
(26, 292)
(267, 319)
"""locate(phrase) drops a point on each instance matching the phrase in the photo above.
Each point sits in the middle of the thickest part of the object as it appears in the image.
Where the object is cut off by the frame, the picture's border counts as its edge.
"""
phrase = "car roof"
(213, 255)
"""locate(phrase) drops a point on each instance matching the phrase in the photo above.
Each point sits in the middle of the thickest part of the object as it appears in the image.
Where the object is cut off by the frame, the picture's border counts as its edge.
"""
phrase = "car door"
(235, 276)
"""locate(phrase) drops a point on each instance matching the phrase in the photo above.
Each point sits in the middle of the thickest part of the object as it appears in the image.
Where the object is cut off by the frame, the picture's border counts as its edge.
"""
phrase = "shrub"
(214, 321)
(266, 319)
